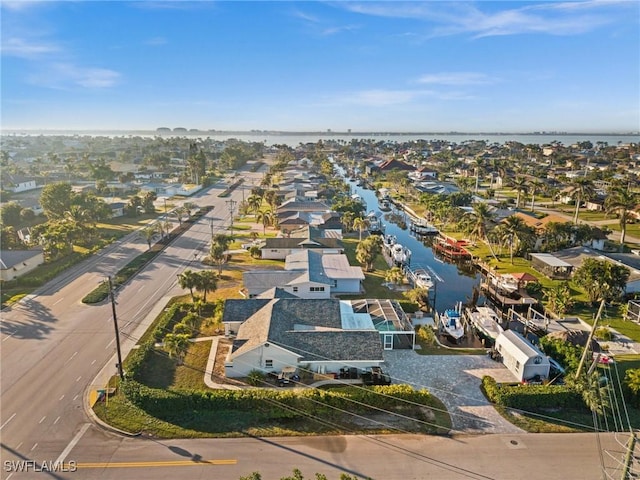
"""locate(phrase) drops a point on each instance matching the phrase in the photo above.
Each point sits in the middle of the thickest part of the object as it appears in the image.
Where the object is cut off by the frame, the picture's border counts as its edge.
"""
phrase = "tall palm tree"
(519, 184)
(622, 200)
(254, 202)
(188, 279)
(360, 224)
(206, 282)
(515, 233)
(266, 218)
(535, 186)
(481, 216)
(580, 189)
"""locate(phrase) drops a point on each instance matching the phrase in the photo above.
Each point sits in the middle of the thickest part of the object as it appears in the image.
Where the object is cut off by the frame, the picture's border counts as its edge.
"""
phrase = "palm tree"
(360, 224)
(367, 250)
(580, 189)
(206, 282)
(514, 232)
(622, 200)
(266, 218)
(347, 220)
(536, 186)
(519, 184)
(481, 216)
(176, 345)
(254, 202)
(394, 275)
(148, 233)
(188, 279)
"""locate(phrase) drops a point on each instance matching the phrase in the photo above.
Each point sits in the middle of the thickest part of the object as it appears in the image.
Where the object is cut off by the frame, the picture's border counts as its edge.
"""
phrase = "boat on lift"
(451, 323)
(422, 279)
(486, 321)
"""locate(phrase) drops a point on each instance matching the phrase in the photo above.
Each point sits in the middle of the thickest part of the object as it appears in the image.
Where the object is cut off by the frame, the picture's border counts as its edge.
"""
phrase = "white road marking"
(55, 303)
(71, 358)
(61, 397)
(72, 443)
(8, 420)
(75, 398)
(8, 336)
(19, 445)
(78, 379)
(141, 288)
(128, 323)
(93, 362)
(34, 447)
(10, 475)
(110, 343)
(56, 420)
(42, 419)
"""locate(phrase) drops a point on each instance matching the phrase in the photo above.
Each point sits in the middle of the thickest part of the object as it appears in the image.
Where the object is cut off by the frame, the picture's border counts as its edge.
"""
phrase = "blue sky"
(366, 66)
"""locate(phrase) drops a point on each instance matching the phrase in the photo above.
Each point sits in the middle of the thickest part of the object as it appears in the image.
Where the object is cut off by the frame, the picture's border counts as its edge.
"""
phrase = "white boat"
(400, 254)
(505, 282)
(388, 241)
(452, 324)
(422, 279)
(486, 321)
(384, 205)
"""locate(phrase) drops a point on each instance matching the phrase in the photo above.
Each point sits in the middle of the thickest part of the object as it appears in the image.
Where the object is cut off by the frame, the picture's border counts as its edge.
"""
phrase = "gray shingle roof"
(309, 328)
(10, 258)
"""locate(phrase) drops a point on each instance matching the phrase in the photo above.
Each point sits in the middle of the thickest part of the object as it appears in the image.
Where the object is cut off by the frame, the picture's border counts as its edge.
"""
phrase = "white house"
(522, 358)
(320, 335)
(15, 263)
(18, 183)
(307, 274)
(279, 248)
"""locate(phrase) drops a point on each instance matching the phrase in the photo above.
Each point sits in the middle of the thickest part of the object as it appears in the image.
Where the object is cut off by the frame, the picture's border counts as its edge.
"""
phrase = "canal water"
(453, 282)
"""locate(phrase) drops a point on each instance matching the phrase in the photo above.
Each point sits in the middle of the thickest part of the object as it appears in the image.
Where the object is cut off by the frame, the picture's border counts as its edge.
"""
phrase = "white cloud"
(65, 76)
(382, 97)
(335, 30)
(156, 41)
(456, 78)
(19, 47)
(451, 18)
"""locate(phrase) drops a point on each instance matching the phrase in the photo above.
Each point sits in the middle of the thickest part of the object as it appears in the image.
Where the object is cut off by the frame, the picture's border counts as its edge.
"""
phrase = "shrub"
(427, 335)
(256, 378)
(603, 333)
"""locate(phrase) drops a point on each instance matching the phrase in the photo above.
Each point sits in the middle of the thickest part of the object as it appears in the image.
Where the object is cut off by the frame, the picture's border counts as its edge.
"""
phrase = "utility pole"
(587, 347)
(115, 324)
(232, 204)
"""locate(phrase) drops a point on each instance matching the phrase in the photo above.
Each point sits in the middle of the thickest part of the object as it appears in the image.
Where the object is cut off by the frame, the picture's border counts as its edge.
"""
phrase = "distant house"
(18, 183)
(15, 263)
(522, 358)
(279, 248)
(320, 335)
(307, 274)
(117, 209)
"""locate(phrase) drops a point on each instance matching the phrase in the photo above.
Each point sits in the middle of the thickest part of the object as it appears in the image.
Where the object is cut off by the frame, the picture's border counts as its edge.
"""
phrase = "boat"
(423, 228)
(486, 321)
(400, 254)
(504, 283)
(384, 205)
(422, 279)
(451, 323)
(388, 241)
(375, 225)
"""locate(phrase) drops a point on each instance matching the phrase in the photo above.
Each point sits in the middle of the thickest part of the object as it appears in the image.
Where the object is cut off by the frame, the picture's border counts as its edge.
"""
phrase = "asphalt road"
(53, 347)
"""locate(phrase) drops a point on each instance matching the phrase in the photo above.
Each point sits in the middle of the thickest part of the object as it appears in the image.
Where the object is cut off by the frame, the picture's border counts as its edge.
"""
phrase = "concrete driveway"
(454, 379)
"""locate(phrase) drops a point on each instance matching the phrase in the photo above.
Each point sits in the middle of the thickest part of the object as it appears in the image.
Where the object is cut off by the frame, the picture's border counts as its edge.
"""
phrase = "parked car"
(288, 376)
(375, 376)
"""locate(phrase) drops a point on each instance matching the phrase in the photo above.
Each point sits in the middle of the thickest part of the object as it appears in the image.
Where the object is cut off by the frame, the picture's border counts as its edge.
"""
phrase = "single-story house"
(521, 357)
(279, 248)
(298, 283)
(322, 336)
(19, 183)
(576, 255)
(15, 263)
(117, 209)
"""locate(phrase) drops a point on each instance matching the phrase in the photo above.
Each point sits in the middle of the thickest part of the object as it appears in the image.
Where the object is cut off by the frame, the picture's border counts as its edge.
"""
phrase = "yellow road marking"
(173, 463)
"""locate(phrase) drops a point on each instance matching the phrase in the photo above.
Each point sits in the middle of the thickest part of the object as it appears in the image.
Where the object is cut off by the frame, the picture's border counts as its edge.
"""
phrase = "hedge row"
(531, 396)
(271, 403)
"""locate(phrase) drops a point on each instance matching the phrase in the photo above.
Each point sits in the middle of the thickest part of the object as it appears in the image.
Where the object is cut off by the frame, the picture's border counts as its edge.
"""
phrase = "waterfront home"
(321, 336)
(279, 248)
(307, 274)
(551, 266)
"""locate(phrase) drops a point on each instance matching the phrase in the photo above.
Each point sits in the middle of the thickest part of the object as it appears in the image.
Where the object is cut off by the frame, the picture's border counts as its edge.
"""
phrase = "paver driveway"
(454, 379)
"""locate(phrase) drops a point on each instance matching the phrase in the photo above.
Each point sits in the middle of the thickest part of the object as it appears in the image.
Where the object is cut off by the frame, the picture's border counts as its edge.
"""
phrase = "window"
(268, 363)
(517, 365)
(316, 289)
(295, 289)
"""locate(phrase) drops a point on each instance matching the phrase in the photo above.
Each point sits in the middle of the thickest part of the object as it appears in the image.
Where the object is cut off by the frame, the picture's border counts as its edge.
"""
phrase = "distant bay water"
(295, 139)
